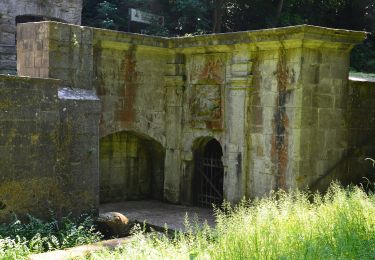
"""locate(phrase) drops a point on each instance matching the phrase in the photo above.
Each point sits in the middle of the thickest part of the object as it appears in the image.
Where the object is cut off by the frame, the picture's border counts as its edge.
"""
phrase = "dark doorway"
(131, 167)
(209, 174)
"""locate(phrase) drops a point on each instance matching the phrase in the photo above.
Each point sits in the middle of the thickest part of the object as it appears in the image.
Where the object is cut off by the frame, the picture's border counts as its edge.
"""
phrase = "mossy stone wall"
(361, 122)
(48, 149)
(276, 100)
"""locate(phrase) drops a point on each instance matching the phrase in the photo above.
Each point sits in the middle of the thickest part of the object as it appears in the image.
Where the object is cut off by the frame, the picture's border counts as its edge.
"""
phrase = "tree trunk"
(218, 15)
(278, 12)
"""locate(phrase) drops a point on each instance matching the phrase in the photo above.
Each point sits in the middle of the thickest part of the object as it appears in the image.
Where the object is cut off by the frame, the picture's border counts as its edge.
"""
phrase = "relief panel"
(206, 81)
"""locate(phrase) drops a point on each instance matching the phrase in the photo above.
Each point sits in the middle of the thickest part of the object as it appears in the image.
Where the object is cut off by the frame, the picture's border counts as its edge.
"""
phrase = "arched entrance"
(131, 167)
(209, 173)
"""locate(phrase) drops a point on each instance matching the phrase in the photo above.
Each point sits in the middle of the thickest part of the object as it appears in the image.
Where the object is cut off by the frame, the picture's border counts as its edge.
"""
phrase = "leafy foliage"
(363, 56)
(33, 236)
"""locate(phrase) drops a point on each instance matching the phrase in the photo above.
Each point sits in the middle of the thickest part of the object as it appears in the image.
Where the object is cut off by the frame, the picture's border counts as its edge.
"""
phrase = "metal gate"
(211, 174)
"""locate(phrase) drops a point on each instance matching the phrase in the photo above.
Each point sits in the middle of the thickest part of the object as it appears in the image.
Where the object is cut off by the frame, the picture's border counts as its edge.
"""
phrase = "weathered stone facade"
(19, 11)
(48, 147)
(278, 102)
(361, 124)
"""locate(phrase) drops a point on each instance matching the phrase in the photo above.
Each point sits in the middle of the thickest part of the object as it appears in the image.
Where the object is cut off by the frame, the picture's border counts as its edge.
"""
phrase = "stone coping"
(282, 34)
(362, 77)
(32, 80)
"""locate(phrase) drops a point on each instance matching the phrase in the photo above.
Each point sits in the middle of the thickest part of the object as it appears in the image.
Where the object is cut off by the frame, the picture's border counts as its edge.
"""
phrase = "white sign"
(143, 17)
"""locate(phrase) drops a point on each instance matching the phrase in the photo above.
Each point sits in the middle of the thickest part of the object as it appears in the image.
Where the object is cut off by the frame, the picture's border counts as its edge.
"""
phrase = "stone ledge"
(295, 35)
(30, 79)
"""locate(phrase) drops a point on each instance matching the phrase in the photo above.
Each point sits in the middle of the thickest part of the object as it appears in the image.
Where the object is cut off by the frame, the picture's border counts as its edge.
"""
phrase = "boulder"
(113, 224)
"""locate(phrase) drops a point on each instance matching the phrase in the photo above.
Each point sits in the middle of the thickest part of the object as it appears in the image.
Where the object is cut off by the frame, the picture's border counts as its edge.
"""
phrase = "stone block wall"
(128, 79)
(361, 123)
(325, 132)
(48, 148)
(128, 76)
(68, 11)
(56, 51)
(274, 117)
(276, 100)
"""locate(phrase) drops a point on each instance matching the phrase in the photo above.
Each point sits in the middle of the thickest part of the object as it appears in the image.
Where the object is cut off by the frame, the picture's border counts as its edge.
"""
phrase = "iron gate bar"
(212, 162)
(211, 173)
(212, 185)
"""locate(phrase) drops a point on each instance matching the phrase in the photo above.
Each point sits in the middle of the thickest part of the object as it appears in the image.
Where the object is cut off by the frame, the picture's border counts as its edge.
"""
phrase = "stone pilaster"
(237, 89)
(174, 83)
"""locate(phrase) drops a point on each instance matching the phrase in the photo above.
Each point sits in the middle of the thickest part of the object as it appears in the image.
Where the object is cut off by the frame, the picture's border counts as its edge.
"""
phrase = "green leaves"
(192, 17)
(35, 236)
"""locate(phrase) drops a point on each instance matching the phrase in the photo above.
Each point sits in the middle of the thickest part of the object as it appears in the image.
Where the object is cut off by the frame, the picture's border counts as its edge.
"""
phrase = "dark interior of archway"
(213, 149)
(209, 175)
(131, 168)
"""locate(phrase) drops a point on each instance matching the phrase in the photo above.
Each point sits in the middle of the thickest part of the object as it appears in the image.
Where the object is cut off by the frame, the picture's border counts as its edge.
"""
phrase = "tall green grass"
(296, 225)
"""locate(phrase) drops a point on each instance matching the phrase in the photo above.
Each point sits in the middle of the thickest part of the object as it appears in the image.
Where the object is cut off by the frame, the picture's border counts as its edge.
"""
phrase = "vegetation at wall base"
(286, 225)
(297, 225)
(19, 239)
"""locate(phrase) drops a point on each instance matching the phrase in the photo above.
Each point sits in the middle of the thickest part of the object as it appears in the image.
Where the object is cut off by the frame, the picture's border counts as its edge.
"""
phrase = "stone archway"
(208, 173)
(131, 167)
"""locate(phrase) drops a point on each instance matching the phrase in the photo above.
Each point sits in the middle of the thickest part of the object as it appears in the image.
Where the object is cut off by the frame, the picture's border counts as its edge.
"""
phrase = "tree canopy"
(214, 16)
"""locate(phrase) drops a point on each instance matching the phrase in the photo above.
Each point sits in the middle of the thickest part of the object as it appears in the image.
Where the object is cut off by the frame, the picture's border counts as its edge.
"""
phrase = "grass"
(297, 225)
(19, 239)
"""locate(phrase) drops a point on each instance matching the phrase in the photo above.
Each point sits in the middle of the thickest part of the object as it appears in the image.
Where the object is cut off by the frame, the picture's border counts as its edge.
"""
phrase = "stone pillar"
(324, 129)
(274, 117)
(235, 117)
(174, 83)
(30, 11)
(298, 131)
(56, 50)
(78, 154)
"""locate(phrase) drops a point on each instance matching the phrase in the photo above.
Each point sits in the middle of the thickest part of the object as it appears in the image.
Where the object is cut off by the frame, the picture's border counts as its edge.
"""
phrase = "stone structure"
(198, 119)
(21, 11)
(48, 147)
(361, 124)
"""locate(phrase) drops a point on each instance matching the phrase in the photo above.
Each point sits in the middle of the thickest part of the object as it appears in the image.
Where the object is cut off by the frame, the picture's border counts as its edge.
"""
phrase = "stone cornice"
(283, 34)
(289, 37)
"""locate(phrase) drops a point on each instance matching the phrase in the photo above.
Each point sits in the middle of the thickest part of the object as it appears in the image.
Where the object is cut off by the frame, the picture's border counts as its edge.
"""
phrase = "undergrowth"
(286, 225)
(296, 225)
(19, 239)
